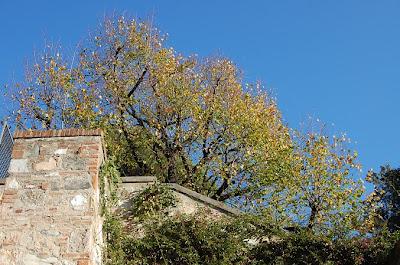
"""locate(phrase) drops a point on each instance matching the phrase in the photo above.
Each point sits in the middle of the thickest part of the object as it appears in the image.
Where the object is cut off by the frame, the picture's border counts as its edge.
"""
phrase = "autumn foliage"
(195, 122)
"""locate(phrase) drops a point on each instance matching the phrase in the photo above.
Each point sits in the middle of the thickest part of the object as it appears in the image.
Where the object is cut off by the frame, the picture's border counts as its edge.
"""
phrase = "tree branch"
(138, 82)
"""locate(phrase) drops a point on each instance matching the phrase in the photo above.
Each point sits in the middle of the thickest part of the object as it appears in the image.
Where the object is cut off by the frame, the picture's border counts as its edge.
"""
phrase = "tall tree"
(386, 197)
(324, 194)
(183, 119)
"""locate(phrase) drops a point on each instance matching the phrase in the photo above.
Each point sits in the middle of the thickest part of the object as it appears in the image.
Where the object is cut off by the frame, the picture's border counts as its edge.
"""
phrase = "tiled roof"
(6, 144)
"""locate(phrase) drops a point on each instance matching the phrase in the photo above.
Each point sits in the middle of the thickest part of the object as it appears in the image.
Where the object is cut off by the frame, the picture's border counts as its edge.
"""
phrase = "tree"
(323, 194)
(386, 197)
(180, 118)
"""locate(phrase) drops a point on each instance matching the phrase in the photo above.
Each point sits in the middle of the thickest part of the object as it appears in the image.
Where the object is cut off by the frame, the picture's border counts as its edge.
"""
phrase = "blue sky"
(338, 61)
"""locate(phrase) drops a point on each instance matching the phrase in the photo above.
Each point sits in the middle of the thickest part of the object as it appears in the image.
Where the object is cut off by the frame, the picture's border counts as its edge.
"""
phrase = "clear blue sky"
(335, 60)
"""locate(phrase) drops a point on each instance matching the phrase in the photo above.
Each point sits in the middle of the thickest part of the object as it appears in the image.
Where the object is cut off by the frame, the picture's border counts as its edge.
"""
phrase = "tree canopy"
(386, 198)
(183, 119)
(192, 121)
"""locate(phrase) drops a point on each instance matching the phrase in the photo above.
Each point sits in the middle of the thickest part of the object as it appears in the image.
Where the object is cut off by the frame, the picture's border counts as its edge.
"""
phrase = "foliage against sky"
(191, 121)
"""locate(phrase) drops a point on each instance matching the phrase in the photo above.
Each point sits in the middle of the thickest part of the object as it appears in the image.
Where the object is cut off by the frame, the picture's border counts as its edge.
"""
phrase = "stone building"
(49, 202)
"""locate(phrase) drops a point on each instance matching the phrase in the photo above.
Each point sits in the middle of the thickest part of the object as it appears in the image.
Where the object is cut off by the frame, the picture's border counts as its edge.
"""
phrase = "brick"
(93, 164)
(84, 262)
(92, 169)
(83, 255)
(9, 197)
(17, 154)
(7, 200)
(95, 181)
(10, 192)
(46, 134)
(93, 147)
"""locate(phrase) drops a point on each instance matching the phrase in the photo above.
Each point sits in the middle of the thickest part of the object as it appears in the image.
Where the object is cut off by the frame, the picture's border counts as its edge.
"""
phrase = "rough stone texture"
(49, 203)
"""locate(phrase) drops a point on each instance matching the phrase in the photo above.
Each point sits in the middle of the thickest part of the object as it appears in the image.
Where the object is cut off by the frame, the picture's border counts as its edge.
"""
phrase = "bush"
(305, 248)
(247, 239)
(186, 240)
(155, 199)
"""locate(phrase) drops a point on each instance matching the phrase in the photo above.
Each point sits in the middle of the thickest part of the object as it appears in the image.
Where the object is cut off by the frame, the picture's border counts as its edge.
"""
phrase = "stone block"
(33, 259)
(79, 202)
(59, 152)
(44, 185)
(51, 233)
(55, 185)
(46, 165)
(73, 162)
(32, 152)
(77, 183)
(18, 166)
(13, 183)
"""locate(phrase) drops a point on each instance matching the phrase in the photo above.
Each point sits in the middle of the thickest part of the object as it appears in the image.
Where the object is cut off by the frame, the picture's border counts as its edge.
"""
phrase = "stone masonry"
(49, 203)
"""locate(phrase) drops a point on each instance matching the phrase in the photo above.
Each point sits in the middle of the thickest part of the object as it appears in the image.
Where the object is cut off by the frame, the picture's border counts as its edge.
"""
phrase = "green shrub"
(305, 248)
(153, 200)
(187, 240)
(199, 239)
(115, 237)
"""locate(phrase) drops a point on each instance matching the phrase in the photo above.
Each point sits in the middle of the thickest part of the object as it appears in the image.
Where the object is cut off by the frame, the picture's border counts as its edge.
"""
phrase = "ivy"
(114, 235)
(112, 226)
(110, 179)
(153, 200)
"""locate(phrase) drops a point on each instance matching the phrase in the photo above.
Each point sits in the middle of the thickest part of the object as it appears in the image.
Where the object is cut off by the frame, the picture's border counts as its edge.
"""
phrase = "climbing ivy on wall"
(109, 180)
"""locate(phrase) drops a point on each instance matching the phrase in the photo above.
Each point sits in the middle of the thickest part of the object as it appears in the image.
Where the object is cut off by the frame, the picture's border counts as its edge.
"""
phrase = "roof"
(6, 144)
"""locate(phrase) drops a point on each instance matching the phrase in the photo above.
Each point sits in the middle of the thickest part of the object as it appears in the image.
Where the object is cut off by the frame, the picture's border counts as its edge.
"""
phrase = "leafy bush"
(186, 240)
(153, 200)
(198, 240)
(247, 239)
(114, 236)
(109, 180)
(304, 247)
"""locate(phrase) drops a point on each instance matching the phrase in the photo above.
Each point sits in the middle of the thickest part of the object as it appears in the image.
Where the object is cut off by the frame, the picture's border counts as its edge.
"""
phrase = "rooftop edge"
(57, 133)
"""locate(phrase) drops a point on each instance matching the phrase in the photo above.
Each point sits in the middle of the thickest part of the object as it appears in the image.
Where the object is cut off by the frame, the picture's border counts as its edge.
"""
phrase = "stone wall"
(187, 201)
(49, 203)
